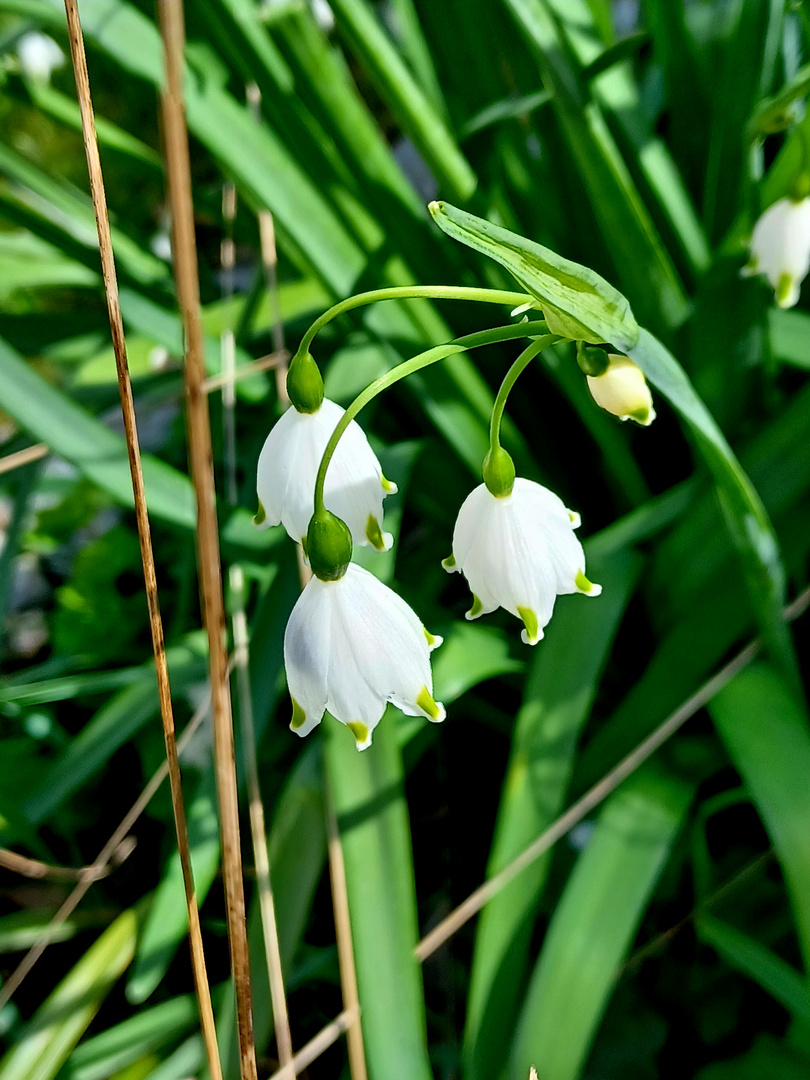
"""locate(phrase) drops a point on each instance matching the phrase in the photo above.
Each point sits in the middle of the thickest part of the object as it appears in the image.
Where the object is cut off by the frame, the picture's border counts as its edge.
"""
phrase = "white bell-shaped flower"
(351, 646)
(519, 552)
(355, 486)
(39, 56)
(780, 248)
(622, 390)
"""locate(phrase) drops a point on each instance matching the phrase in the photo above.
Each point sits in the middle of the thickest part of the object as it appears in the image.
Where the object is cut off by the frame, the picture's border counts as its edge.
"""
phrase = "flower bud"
(329, 546)
(304, 384)
(499, 473)
(622, 390)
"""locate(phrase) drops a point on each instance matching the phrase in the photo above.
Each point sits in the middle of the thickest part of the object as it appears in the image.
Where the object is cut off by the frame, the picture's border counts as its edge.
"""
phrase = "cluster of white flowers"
(352, 644)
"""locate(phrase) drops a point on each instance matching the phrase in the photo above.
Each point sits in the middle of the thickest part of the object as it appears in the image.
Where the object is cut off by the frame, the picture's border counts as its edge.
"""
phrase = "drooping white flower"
(519, 552)
(622, 390)
(355, 486)
(351, 646)
(780, 248)
(39, 55)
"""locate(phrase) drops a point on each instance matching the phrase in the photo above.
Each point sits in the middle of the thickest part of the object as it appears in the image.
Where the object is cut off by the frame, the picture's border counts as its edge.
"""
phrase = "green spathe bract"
(576, 302)
(329, 546)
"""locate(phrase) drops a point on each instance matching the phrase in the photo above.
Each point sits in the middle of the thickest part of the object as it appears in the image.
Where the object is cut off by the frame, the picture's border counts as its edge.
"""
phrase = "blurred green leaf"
(62, 1019)
(595, 922)
(765, 730)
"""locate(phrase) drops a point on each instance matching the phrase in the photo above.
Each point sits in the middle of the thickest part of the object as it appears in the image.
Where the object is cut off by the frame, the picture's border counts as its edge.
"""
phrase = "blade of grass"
(559, 692)
(746, 517)
(594, 924)
(62, 1019)
(764, 727)
(401, 93)
(750, 957)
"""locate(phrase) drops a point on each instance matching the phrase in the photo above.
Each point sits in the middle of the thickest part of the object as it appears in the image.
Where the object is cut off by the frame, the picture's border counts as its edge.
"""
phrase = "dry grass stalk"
(23, 457)
(142, 516)
(241, 640)
(343, 929)
(114, 851)
(319, 1043)
(244, 371)
(184, 248)
(599, 792)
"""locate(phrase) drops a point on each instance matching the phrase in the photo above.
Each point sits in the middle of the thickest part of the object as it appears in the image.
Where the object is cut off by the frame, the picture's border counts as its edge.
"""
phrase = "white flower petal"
(519, 553)
(780, 247)
(374, 650)
(307, 642)
(354, 488)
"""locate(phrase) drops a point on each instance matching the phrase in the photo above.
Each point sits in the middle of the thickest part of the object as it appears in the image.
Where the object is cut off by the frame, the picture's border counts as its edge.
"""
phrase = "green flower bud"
(499, 473)
(592, 360)
(304, 384)
(328, 546)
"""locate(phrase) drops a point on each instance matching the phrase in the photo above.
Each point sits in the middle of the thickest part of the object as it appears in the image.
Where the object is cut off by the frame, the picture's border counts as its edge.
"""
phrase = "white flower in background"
(622, 390)
(355, 486)
(351, 646)
(39, 56)
(519, 552)
(780, 248)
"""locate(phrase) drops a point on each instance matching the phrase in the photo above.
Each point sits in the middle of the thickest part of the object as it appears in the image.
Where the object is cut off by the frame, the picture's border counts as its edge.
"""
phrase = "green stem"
(416, 363)
(413, 292)
(509, 381)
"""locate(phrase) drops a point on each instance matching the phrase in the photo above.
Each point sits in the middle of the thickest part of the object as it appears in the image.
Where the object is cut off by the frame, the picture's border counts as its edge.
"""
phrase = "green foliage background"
(668, 935)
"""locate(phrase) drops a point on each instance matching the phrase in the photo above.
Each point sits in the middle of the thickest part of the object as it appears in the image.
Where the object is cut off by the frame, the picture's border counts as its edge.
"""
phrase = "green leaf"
(60, 1022)
(745, 954)
(559, 693)
(125, 1043)
(166, 923)
(790, 336)
(765, 730)
(576, 302)
(113, 725)
(746, 517)
(595, 922)
(375, 835)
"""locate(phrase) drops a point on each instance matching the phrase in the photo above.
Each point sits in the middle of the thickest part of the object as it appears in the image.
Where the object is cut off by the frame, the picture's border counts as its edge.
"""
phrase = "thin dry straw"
(241, 640)
(592, 798)
(99, 867)
(184, 251)
(23, 457)
(142, 516)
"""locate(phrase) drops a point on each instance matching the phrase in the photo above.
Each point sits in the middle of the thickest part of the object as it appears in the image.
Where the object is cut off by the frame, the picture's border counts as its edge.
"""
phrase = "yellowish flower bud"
(622, 390)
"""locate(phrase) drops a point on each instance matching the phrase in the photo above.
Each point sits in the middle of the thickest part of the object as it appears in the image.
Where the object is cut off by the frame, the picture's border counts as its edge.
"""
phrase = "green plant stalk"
(509, 380)
(422, 360)
(413, 292)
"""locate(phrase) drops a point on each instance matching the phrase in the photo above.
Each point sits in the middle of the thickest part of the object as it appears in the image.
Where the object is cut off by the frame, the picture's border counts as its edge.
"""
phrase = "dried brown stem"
(184, 248)
(598, 793)
(111, 851)
(244, 371)
(142, 516)
(23, 457)
(343, 929)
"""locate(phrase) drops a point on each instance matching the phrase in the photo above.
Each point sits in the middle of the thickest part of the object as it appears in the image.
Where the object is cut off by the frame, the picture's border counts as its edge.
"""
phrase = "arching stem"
(509, 380)
(416, 363)
(413, 292)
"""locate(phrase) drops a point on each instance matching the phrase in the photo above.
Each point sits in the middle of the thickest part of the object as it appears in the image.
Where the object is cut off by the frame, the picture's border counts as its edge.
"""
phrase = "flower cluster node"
(622, 390)
(304, 384)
